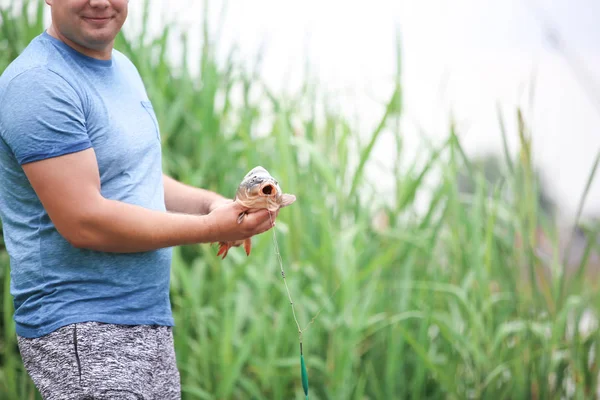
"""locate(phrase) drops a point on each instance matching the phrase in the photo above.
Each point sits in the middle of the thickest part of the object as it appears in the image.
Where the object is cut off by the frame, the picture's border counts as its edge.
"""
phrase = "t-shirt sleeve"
(42, 116)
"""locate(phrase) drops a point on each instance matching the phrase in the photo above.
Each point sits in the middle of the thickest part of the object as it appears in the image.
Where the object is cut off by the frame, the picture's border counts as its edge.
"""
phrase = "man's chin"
(98, 42)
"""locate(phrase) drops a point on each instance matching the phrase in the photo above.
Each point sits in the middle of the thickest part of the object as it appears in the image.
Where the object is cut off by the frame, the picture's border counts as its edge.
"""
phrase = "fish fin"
(223, 249)
(241, 217)
(248, 246)
(287, 199)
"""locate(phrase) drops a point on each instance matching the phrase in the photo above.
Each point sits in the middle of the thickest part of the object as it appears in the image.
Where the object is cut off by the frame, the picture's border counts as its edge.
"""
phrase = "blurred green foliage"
(454, 302)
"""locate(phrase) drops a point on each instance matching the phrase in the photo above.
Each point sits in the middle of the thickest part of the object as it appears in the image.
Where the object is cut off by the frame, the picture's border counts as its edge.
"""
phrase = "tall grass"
(455, 302)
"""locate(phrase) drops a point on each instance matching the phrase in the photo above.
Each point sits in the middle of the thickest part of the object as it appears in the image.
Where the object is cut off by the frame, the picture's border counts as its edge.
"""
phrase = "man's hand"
(182, 198)
(216, 203)
(225, 227)
(69, 188)
(186, 199)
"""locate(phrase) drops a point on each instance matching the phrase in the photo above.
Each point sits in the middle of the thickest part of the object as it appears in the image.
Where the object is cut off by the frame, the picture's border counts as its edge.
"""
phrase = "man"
(89, 217)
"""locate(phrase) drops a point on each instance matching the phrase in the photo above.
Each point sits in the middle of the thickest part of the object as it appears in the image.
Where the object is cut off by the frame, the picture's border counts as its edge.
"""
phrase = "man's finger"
(255, 218)
(266, 226)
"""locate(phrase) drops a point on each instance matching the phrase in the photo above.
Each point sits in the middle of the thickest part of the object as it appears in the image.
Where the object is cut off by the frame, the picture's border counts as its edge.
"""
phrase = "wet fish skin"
(258, 190)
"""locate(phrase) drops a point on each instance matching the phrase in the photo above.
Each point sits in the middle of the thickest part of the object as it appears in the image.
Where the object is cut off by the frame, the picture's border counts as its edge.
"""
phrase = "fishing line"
(304, 373)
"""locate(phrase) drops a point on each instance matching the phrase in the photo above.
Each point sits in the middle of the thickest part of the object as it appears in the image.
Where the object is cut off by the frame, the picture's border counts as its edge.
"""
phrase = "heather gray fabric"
(93, 361)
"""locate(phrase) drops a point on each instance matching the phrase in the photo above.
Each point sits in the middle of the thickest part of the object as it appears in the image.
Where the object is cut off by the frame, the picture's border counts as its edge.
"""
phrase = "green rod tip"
(304, 376)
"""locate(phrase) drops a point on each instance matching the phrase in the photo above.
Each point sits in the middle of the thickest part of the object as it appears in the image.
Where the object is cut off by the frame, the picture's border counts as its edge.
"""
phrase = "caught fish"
(257, 190)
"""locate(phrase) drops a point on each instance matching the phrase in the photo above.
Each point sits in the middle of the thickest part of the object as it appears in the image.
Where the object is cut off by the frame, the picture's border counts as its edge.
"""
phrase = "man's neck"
(99, 54)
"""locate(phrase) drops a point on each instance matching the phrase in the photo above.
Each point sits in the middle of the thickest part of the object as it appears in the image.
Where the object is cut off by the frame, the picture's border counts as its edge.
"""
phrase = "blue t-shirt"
(54, 101)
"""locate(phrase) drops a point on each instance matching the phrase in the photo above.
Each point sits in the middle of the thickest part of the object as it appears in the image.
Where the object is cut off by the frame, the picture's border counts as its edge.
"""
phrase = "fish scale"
(258, 190)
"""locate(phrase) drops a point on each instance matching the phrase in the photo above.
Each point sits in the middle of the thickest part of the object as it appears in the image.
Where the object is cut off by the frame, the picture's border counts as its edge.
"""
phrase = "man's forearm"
(115, 226)
(182, 198)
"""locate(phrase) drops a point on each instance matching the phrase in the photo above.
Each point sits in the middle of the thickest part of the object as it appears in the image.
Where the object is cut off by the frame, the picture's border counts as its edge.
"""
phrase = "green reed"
(453, 302)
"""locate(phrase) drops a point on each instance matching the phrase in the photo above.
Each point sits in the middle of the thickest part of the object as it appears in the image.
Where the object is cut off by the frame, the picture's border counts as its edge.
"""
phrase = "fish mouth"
(268, 189)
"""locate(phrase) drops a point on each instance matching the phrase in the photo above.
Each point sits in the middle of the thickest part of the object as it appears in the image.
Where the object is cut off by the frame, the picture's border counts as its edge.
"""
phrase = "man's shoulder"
(26, 83)
(119, 55)
(125, 61)
(130, 70)
(33, 84)
(35, 62)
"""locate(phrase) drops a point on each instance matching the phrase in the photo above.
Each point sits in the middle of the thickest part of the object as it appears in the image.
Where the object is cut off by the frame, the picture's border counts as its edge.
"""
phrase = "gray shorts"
(89, 361)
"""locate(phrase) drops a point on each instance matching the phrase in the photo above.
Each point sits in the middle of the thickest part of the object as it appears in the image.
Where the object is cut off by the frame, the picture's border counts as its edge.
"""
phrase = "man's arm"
(69, 189)
(182, 198)
(44, 125)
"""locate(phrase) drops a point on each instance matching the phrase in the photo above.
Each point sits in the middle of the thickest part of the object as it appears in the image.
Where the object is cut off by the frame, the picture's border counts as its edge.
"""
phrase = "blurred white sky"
(466, 56)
